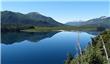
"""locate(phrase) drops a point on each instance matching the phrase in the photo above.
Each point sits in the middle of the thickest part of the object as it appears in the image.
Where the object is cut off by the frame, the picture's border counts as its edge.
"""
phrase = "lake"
(41, 47)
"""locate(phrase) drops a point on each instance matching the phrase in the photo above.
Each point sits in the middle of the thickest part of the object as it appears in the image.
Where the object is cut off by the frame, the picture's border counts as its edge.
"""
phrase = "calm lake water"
(41, 47)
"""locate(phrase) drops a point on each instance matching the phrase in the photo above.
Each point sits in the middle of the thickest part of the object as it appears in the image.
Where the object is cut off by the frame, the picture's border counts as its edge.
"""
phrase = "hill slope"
(34, 19)
(101, 21)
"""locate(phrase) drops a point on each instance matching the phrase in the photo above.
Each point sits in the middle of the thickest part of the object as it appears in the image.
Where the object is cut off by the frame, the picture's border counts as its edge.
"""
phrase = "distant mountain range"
(30, 19)
(101, 21)
(75, 23)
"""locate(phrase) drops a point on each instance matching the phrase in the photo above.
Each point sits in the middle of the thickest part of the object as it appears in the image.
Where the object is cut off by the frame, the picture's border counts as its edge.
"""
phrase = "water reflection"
(41, 47)
(12, 37)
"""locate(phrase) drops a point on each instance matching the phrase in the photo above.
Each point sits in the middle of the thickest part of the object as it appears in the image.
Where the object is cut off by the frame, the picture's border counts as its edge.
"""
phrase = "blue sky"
(55, 0)
(62, 11)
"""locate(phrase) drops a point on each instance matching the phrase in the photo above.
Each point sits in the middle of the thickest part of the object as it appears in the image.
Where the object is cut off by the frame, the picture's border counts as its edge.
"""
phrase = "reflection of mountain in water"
(12, 37)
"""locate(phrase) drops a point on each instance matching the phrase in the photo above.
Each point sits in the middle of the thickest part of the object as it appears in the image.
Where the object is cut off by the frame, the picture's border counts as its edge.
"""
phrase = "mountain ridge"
(102, 21)
(32, 18)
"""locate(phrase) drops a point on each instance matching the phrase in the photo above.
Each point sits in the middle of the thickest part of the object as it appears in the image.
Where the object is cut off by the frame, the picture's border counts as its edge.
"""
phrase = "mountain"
(75, 23)
(47, 20)
(33, 18)
(102, 21)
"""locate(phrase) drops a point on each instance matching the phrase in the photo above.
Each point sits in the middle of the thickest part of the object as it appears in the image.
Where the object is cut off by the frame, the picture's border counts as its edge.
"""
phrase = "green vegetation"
(29, 28)
(94, 54)
(14, 27)
(31, 19)
(68, 28)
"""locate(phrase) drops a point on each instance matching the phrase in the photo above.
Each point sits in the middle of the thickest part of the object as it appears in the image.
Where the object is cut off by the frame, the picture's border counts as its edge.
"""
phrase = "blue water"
(41, 47)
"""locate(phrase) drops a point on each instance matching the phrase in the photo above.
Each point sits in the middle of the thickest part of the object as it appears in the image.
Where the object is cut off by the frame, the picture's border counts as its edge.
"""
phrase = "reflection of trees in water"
(12, 37)
(93, 32)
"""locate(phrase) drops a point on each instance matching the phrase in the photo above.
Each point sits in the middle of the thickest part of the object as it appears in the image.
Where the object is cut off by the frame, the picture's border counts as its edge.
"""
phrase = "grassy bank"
(94, 53)
(68, 28)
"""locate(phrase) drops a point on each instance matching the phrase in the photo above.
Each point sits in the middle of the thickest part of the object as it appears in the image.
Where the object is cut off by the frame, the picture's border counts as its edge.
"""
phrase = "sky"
(63, 11)
(55, 0)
